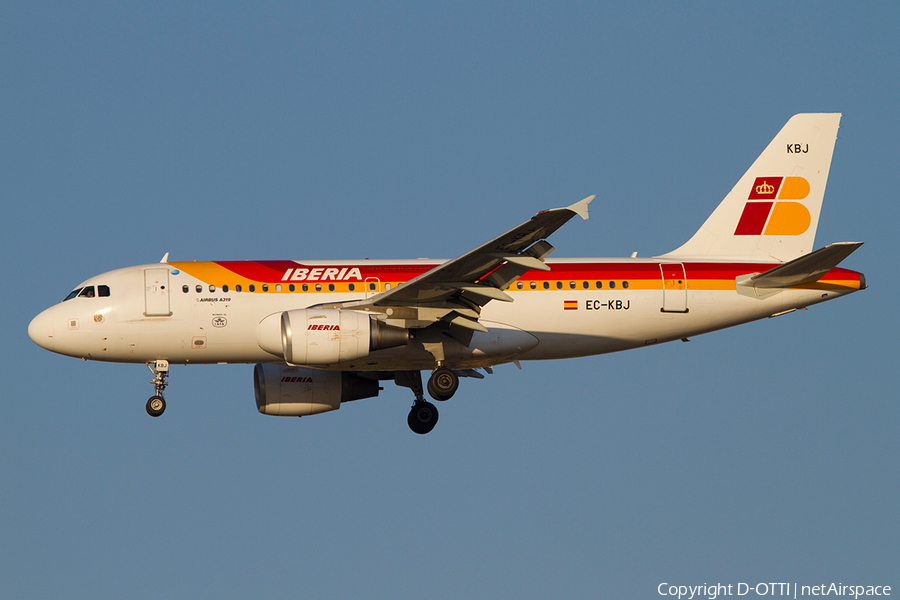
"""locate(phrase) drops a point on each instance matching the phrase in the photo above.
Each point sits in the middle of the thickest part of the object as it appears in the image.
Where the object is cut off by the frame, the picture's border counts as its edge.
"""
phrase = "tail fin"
(773, 211)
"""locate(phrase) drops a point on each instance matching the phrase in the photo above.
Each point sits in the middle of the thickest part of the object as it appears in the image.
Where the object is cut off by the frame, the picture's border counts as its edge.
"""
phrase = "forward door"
(156, 293)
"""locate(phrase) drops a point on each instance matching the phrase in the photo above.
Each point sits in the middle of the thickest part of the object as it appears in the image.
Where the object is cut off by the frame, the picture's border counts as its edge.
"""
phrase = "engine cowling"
(297, 392)
(312, 336)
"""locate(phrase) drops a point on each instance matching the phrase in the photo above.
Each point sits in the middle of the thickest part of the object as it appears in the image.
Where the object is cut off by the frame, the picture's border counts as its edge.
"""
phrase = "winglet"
(580, 208)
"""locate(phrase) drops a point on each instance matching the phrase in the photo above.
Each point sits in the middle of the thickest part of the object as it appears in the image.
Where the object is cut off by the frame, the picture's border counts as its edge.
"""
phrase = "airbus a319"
(327, 332)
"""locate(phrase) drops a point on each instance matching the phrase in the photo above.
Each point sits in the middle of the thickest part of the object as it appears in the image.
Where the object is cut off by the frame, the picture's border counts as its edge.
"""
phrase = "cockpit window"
(73, 293)
(89, 292)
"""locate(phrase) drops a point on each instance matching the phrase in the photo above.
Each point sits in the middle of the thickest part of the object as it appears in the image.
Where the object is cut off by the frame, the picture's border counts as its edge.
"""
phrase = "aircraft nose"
(40, 330)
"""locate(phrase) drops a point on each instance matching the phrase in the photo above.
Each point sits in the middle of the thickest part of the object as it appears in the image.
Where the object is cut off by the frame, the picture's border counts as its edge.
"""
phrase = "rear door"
(674, 288)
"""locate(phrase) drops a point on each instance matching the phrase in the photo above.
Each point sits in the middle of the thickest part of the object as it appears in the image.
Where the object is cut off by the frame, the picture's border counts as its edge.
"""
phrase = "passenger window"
(265, 287)
(87, 292)
(103, 291)
(352, 287)
(546, 285)
(238, 288)
(519, 285)
(533, 285)
(318, 287)
(372, 287)
(199, 288)
(571, 285)
(330, 287)
(185, 289)
(292, 287)
(73, 293)
(612, 285)
(305, 287)
(599, 285)
(252, 288)
(212, 288)
(559, 285)
(585, 284)
(277, 287)
(625, 284)
(387, 286)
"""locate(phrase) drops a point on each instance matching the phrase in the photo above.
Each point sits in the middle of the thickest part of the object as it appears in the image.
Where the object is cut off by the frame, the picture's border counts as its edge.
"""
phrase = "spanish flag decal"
(570, 304)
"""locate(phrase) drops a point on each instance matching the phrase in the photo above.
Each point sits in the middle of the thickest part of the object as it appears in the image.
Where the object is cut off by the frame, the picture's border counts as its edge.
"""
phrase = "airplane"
(322, 333)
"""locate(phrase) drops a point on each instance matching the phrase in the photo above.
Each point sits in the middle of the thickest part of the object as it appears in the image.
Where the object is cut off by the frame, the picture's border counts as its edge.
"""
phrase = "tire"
(442, 384)
(422, 417)
(156, 406)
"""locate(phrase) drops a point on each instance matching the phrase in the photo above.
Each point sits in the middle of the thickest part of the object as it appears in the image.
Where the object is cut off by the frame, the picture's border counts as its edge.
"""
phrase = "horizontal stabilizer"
(804, 270)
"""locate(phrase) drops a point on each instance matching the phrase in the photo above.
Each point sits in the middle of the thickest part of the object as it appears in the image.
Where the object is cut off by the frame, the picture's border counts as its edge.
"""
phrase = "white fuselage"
(580, 307)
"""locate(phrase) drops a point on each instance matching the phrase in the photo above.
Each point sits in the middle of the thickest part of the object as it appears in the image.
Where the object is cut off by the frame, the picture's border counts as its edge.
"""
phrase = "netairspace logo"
(794, 590)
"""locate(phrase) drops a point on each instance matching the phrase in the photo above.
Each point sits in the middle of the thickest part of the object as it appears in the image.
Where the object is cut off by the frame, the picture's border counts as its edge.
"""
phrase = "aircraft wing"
(456, 290)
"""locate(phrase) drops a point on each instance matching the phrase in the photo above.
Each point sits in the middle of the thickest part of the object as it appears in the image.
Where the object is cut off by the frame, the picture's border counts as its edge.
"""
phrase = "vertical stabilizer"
(773, 211)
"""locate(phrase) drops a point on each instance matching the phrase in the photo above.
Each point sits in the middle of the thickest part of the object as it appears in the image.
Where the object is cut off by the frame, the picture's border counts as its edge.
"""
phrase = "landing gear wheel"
(156, 406)
(443, 383)
(422, 417)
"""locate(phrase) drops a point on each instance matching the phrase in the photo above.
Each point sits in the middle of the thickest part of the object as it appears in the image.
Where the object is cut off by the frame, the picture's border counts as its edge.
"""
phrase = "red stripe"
(273, 271)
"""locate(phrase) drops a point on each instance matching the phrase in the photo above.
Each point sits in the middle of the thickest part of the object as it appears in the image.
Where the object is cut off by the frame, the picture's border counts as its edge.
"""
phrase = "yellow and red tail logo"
(763, 215)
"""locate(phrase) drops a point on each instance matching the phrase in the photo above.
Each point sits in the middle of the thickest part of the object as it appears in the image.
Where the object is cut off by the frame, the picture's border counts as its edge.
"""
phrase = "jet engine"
(312, 336)
(297, 392)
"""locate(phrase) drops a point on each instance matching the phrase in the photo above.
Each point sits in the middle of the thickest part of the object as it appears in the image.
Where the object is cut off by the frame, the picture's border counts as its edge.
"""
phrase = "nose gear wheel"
(156, 405)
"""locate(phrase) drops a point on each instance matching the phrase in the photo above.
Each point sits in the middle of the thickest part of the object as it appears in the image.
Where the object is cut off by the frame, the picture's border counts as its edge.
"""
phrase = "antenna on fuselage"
(165, 257)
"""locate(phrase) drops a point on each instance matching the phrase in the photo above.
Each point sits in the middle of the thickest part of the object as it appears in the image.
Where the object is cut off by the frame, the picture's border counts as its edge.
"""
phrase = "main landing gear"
(442, 384)
(423, 415)
(156, 405)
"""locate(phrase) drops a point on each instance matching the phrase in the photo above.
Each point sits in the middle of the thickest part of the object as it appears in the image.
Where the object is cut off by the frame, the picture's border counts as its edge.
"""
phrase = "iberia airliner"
(326, 332)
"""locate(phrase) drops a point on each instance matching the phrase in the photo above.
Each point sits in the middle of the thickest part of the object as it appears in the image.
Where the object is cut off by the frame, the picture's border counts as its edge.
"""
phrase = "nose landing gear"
(156, 405)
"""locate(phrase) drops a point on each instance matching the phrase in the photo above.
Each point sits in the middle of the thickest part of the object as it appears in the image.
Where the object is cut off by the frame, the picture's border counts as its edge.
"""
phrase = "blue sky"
(274, 130)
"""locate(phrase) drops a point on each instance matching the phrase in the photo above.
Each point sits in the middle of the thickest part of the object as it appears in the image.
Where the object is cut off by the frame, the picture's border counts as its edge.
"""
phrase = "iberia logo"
(764, 212)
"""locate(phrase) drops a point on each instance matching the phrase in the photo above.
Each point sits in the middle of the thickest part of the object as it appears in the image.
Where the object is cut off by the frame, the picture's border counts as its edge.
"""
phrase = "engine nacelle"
(313, 336)
(297, 392)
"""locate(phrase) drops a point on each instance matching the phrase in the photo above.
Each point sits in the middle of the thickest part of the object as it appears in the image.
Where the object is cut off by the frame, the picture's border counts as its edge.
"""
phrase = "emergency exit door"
(156, 293)
(674, 288)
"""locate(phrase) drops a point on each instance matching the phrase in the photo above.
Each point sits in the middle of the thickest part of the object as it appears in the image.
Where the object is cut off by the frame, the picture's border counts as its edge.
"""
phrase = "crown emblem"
(765, 189)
